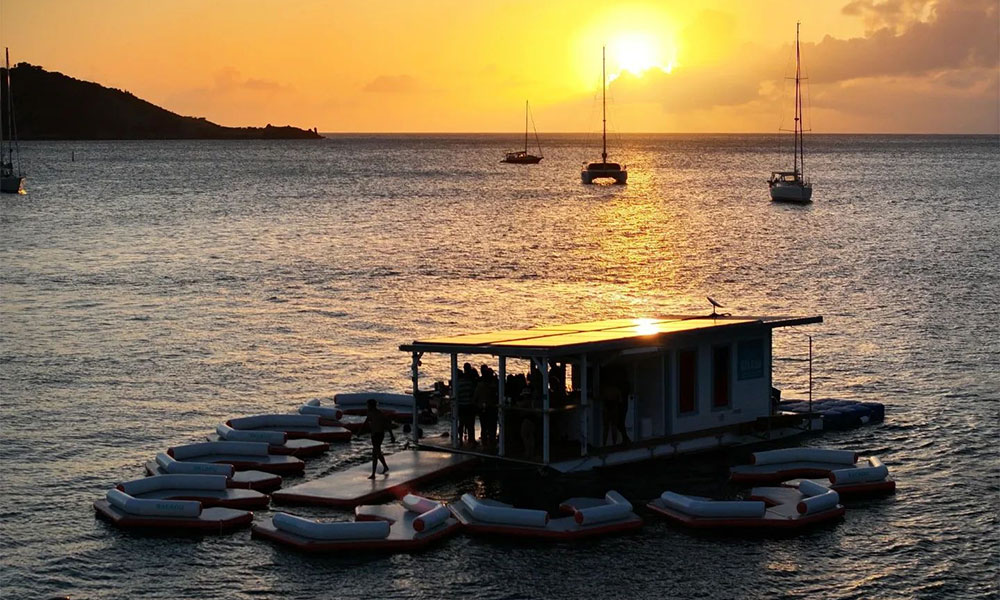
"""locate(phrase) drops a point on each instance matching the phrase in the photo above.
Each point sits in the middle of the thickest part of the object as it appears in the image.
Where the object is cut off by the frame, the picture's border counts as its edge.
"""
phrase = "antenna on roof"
(715, 305)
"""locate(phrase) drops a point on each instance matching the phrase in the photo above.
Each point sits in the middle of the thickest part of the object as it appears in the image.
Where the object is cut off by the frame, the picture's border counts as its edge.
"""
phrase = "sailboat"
(792, 186)
(604, 169)
(521, 157)
(11, 180)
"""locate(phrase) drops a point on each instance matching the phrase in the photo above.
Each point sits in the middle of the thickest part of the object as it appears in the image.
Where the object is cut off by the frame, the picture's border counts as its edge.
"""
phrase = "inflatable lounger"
(293, 426)
(241, 455)
(210, 490)
(590, 517)
(774, 466)
(251, 480)
(398, 406)
(400, 527)
(332, 415)
(816, 505)
(868, 477)
(277, 441)
(176, 516)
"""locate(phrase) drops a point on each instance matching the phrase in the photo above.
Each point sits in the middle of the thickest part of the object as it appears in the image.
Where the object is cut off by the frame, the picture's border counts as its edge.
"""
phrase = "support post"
(454, 401)
(810, 380)
(584, 406)
(545, 410)
(415, 371)
(502, 403)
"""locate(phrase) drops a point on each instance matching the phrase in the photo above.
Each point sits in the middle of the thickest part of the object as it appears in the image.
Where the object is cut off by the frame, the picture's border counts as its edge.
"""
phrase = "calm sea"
(150, 290)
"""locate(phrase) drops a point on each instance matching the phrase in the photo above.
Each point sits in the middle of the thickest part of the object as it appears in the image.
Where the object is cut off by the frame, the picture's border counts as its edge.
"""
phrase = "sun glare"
(635, 53)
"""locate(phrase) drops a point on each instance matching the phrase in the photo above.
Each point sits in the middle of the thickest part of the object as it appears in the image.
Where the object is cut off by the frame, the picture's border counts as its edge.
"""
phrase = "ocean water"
(150, 290)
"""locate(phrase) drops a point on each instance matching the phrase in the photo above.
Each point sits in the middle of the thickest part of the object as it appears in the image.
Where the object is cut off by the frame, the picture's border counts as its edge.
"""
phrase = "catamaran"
(604, 169)
(521, 157)
(11, 179)
(792, 186)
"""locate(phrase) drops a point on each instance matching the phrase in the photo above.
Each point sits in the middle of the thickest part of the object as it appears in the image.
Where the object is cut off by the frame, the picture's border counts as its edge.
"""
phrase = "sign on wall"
(750, 357)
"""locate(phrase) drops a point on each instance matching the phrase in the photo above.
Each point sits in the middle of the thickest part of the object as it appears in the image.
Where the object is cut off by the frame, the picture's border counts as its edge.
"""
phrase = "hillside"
(52, 106)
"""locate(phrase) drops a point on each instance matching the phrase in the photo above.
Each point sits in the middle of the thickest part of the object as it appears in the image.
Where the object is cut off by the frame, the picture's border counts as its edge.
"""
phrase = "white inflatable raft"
(773, 508)
(398, 406)
(241, 455)
(210, 490)
(403, 527)
(251, 480)
(293, 426)
(177, 516)
(775, 466)
(589, 517)
(277, 441)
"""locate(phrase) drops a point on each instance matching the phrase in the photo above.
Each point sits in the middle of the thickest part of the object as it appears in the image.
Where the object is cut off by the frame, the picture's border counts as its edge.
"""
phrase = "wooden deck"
(352, 487)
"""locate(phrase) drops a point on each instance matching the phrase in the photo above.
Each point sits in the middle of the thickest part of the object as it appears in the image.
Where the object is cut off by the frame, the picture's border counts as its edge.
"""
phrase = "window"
(720, 376)
(687, 380)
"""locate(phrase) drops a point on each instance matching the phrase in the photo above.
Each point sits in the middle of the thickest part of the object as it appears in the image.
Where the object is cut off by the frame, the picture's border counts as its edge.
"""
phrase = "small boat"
(587, 517)
(175, 516)
(772, 508)
(521, 157)
(11, 175)
(604, 169)
(241, 455)
(792, 186)
(250, 480)
(278, 442)
(399, 527)
(293, 426)
(210, 490)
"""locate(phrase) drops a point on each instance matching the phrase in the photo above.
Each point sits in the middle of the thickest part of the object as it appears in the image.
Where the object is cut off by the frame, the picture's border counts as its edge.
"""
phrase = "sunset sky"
(464, 66)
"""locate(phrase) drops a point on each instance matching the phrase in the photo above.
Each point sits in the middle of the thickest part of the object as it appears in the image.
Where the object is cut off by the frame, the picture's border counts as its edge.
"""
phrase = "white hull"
(791, 193)
(620, 177)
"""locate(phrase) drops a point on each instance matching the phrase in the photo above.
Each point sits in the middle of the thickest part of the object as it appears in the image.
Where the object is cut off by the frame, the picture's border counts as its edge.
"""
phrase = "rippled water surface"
(153, 289)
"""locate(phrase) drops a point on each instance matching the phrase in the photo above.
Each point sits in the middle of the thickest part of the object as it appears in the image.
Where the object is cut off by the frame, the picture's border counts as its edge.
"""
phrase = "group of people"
(476, 394)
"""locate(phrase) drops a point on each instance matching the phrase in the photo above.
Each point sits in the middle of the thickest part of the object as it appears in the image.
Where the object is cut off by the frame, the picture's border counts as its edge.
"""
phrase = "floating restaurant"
(674, 385)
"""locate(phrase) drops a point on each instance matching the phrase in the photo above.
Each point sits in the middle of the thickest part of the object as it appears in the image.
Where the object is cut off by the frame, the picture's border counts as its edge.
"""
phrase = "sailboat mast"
(604, 107)
(525, 126)
(798, 103)
(10, 107)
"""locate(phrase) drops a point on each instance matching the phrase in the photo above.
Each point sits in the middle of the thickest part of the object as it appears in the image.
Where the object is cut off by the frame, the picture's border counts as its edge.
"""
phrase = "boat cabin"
(582, 395)
(785, 177)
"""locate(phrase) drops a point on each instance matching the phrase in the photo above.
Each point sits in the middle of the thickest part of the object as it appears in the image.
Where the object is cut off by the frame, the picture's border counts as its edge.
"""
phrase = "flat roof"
(593, 336)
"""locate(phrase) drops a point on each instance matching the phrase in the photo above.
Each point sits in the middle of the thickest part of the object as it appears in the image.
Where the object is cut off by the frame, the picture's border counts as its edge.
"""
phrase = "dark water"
(153, 289)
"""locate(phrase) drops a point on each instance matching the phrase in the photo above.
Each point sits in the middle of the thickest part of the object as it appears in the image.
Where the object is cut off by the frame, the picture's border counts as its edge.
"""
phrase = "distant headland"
(52, 106)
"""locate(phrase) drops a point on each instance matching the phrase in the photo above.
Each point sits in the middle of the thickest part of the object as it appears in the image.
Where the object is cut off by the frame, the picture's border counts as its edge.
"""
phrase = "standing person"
(614, 412)
(379, 424)
(486, 402)
(465, 388)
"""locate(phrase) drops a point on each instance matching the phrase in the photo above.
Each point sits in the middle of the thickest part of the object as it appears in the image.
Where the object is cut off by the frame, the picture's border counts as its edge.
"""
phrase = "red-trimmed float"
(277, 441)
(770, 508)
(398, 406)
(250, 480)
(241, 455)
(331, 415)
(176, 516)
(589, 517)
(774, 466)
(210, 490)
(398, 527)
(293, 426)
(857, 481)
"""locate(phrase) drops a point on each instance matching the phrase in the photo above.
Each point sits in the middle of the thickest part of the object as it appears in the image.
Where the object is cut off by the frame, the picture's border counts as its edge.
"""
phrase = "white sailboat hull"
(791, 192)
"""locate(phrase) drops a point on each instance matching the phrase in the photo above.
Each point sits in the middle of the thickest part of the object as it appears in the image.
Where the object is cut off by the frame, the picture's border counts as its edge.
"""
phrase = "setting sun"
(639, 52)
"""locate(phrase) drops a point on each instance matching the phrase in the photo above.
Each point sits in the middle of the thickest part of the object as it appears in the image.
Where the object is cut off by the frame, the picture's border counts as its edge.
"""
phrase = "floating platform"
(241, 455)
(589, 517)
(838, 414)
(393, 528)
(174, 516)
(293, 426)
(249, 480)
(352, 487)
(209, 490)
(773, 508)
(399, 407)
(842, 467)
(279, 444)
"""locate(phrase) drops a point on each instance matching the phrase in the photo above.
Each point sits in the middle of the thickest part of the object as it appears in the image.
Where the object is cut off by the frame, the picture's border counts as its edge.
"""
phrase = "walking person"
(378, 423)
